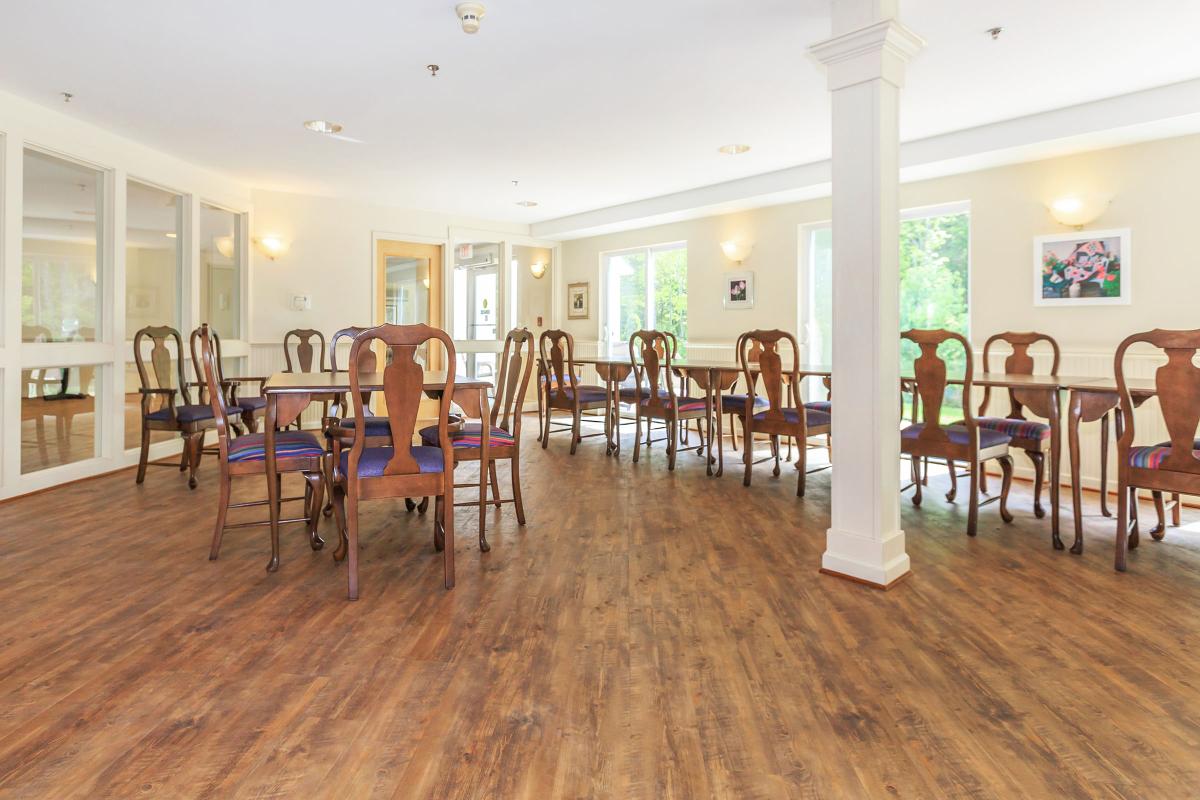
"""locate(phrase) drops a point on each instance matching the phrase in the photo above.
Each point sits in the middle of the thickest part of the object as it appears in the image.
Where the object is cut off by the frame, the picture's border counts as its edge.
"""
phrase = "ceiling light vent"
(469, 15)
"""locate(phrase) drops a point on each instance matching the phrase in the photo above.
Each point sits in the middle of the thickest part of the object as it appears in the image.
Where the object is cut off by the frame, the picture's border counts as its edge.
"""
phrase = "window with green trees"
(645, 288)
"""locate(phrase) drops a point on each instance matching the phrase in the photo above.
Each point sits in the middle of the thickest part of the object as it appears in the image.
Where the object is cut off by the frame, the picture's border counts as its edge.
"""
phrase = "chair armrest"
(158, 391)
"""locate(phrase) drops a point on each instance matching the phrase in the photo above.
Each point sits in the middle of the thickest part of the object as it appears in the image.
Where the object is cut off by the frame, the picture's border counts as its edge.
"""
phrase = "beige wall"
(1152, 189)
(534, 295)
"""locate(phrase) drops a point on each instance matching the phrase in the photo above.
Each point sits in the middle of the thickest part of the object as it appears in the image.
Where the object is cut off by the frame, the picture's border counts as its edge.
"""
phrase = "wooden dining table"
(288, 394)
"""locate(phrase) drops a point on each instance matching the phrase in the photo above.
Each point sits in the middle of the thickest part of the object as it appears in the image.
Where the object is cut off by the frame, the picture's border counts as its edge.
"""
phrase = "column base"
(881, 563)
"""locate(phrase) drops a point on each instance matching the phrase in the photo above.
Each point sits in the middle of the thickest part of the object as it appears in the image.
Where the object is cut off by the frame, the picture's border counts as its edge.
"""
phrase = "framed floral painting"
(739, 290)
(1088, 268)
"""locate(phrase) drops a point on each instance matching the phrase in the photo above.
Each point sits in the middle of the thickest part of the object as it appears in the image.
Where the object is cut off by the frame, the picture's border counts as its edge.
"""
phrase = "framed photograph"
(1088, 268)
(578, 302)
(739, 289)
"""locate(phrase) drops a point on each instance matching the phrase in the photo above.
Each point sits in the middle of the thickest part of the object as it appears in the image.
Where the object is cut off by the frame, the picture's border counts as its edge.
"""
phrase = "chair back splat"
(929, 369)
(651, 353)
(772, 375)
(305, 351)
(516, 366)
(157, 374)
(1019, 362)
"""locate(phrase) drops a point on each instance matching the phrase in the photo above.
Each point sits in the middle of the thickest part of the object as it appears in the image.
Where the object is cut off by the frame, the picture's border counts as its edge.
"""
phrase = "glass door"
(478, 302)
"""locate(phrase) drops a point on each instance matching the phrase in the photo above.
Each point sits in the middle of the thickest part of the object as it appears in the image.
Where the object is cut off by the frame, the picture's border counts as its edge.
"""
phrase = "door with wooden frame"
(408, 291)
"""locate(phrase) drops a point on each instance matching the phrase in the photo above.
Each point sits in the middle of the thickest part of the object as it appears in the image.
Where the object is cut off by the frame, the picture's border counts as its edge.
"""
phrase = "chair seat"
(1153, 457)
(470, 435)
(288, 444)
(587, 394)
(812, 418)
(685, 403)
(191, 413)
(251, 403)
(376, 426)
(820, 405)
(958, 435)
(374, 459)
(1016, 428)
(737, 402)
(628, 394)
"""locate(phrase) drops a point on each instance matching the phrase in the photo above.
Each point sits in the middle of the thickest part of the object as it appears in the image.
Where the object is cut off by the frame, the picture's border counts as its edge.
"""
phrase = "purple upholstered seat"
(587, 394)
(685, 403)
(251, 403)
(737, 402)
(288, 444)
(376, 426)
(812, 419)
(192, 413)
(820, 405)
(1153, 457)
(1016, 428)
(470, 435)
(375, 459)
(629, 393)
(958, 435)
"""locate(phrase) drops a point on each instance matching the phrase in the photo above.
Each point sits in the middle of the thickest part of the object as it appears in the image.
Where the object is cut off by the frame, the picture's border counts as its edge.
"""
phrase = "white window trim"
(603, 334)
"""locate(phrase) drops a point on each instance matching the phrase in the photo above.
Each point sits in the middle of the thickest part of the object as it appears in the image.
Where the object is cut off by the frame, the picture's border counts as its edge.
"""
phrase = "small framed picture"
(739, 289)
(1088, 268)
(578, 302)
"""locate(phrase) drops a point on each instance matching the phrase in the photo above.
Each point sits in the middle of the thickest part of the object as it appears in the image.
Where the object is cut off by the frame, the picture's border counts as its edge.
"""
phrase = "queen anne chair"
(401, 470)
(250, 408)
(295, 451)
(776, 419)
(628, 394)
(503, 442)
(308, 359)
(963, 441)
(1032, 436)
(655, 396)
(556, 357)
(1172, 466)
(159, 409)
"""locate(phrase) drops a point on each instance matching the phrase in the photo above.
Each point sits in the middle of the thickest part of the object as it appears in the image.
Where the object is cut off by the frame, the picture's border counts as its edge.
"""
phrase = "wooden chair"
(1032, 436)
(628, 394)
(1172, 466)
(295, 451)
(308, 359)
(776, 418)
(249, 409)
(403, 470)
(188, 419)
(655, 395)
(556, 357)
(963, 441)
(504, 438)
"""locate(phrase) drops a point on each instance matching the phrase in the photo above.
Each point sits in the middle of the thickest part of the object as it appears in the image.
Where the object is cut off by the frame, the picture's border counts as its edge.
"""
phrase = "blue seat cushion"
(470, 435)
(192, 413)
(251, 403)
(1153, 457)
(812, 419)
(1016, 428)
(958, 435)
(587, 394)
(685, 403)
(288, 444)
(629, 393)
(820, 405)
(375, 459)
(737, 402)
(376, 426)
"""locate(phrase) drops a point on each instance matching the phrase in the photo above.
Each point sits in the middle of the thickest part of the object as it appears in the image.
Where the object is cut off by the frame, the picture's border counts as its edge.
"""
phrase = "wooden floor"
(646, 635)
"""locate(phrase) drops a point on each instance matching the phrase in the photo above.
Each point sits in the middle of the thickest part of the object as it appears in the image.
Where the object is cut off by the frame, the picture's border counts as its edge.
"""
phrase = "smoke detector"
(469, 15)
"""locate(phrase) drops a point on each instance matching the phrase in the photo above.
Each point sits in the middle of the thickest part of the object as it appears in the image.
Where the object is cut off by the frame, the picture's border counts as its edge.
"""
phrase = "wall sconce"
(271, 246)
(537, 269)
(736, 251)
(1075, 211)
(224, 245)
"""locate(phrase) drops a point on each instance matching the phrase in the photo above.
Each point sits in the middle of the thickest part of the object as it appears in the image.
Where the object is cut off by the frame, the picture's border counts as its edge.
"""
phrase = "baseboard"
(864, 581)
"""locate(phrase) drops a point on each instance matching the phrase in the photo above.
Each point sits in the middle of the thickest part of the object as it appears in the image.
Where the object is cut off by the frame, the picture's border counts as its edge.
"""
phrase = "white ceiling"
(588, 104)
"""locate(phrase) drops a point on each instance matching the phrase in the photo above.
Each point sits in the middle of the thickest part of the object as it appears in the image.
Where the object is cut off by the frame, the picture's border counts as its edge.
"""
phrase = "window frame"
(605, 302)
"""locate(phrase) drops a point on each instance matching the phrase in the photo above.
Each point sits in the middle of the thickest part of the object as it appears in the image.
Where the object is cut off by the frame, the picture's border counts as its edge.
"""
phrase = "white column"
(865, 60)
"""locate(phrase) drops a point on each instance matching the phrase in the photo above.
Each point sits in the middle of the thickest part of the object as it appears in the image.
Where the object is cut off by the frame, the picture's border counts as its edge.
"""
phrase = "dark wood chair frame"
(311, 467)
(248, 417)
(306, 357)
(651, 353)
(929, 370)
(1177, 385)
(1020, 362)
(403, 382)
(560, 368)
(156, 384)
(777, 384)
(671, 344)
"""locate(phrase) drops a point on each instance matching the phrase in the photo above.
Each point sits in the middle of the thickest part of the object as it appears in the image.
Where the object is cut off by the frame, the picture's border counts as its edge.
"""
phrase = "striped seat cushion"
(685, 403)
(288, 444)
(736, 403)
(812, 417)
(374, 460)
(1153, 457)
(471, 435)
(958, 435)
(628, 394)
(820, 405)
(1016, 428)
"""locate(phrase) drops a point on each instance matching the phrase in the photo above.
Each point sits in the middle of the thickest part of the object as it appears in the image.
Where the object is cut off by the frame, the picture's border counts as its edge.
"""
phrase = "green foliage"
(670, 293)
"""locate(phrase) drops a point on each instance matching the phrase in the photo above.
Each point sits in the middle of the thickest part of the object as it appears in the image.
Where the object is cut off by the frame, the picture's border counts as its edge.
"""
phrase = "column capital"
(876, 52)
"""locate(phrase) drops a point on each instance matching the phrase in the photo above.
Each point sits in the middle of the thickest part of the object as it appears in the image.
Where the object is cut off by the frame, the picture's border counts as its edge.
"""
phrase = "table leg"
(1074, 417)
(485, 464)
(272, 472)
(1055, 467)
(708, 426)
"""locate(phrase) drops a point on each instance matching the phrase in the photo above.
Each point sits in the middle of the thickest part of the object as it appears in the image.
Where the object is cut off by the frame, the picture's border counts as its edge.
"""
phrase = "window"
(221, 270)
(153, 258)
(58, 416)
(60, 251)
(645, 289)
(934, 282)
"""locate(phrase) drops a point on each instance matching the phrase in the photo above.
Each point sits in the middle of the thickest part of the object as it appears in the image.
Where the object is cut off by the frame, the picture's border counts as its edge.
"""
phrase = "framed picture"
(739, 290)
(1088, 268)
(578, 302)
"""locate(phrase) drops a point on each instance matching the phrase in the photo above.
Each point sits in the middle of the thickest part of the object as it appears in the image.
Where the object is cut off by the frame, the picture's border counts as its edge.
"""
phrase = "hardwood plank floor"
(646, 635)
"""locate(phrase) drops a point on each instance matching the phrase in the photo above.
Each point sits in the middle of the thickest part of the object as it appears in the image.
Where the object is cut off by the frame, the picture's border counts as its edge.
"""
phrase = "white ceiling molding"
(1158, 113)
